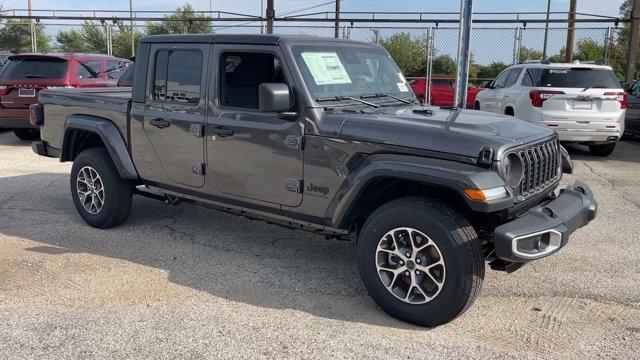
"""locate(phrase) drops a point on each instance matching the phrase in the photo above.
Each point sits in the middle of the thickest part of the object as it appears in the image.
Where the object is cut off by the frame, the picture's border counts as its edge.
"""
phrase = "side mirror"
(273, 97)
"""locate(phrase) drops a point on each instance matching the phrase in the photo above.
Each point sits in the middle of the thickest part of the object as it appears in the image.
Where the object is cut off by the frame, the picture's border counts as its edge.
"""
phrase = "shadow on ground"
(223, 255)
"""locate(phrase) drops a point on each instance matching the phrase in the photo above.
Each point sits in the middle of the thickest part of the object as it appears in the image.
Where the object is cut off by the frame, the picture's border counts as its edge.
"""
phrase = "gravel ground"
(190, 282)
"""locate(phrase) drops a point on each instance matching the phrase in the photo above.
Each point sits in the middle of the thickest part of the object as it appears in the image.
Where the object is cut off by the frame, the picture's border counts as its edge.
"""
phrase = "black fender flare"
(437, 172)
(110, 136)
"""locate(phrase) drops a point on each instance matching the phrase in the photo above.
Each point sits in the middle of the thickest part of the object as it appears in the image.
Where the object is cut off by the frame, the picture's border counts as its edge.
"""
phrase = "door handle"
(160, 123)
(221, 131)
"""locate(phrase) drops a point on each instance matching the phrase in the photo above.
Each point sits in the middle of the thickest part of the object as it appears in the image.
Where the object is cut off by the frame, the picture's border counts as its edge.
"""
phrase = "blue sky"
(603, 7)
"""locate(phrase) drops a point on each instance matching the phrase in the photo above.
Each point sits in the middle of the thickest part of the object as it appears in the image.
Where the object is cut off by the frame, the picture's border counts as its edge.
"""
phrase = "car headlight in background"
(513, 170)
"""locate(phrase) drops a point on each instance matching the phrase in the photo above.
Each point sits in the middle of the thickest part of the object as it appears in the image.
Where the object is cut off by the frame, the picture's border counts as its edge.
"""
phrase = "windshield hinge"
(197, 130)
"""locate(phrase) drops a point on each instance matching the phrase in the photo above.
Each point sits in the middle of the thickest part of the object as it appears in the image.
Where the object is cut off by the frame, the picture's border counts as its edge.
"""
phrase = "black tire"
(476, 106)
(458, 243)
(118, 192)
(27, 134)
(602, 150)
(509, 111)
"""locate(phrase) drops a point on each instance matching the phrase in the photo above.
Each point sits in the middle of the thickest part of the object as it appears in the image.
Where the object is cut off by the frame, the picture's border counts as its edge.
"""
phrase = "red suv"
(442, 90)
(25, 75)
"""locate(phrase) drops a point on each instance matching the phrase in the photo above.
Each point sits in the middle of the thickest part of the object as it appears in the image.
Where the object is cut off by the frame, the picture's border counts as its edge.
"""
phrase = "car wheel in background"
(100, 195)
(602, 150)
(27, 134)
(476, 106)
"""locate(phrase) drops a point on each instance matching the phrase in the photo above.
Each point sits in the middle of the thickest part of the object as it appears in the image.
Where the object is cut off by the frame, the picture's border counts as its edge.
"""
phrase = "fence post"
(607, 46)
(34, 38)
(517, 44)
(429, 67)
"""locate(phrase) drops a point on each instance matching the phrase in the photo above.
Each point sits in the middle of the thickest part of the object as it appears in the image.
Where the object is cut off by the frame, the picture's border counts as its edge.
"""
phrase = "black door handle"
(221, 131)
(160, 123)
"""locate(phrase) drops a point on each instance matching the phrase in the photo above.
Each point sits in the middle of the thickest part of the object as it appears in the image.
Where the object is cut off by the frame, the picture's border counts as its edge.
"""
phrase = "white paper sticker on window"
(402, 78)
(402, 87)
(326, 68)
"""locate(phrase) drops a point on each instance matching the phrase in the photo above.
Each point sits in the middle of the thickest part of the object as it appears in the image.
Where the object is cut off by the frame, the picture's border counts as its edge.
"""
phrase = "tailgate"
(596, 106)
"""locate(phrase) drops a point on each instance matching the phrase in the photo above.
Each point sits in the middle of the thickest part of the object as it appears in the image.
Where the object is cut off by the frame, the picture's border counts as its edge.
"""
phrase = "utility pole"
(568, 52)
(271, 13)
(464, 37)
(133, 45)
(337, 17)
(546, 31)
(29, 8)
(633, 41)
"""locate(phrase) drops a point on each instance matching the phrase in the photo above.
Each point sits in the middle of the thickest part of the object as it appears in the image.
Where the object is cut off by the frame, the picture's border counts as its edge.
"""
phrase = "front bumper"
(545, 229)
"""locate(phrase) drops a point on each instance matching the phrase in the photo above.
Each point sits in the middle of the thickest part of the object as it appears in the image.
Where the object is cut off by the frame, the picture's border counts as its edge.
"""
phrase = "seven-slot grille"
(540, 165)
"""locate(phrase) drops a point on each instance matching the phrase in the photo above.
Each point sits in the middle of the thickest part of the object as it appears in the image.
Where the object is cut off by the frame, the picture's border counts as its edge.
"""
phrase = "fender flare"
(436, 172)
(110, 136)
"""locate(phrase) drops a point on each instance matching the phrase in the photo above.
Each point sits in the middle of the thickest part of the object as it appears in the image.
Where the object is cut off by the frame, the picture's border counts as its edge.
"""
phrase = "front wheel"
(603, 149)
(27, 134)
(420, 260)
(100, 195)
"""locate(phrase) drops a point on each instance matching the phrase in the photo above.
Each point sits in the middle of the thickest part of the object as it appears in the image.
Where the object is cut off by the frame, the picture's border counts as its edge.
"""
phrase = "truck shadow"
(223, 255)
(627, 150)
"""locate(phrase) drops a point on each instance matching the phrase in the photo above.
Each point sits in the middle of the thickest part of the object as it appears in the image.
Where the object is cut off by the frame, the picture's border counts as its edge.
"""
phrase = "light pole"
(464, 37)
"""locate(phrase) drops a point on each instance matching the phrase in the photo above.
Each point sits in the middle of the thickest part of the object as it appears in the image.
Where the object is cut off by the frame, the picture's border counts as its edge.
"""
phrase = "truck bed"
(59, 104)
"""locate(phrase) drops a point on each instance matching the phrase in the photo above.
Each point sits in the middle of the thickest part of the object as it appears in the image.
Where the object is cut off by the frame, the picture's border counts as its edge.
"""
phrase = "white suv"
(584, 103)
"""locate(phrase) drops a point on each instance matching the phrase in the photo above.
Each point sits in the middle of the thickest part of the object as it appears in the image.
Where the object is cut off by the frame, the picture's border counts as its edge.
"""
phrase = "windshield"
(34, 68)
(343, 71)
(578, 77)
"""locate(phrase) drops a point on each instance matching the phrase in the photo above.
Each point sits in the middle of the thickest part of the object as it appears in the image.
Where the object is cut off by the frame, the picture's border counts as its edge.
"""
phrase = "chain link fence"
(489, 45)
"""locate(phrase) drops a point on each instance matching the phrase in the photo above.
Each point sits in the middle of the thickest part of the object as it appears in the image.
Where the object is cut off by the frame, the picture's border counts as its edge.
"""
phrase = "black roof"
(237, 39)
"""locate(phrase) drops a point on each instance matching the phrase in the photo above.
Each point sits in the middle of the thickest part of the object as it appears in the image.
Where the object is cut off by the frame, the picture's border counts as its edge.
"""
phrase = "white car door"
(507, 95)
(489, 101)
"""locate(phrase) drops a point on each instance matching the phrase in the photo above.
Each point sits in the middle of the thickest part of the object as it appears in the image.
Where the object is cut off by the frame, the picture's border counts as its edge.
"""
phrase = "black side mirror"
(273, 97)
(567, 165)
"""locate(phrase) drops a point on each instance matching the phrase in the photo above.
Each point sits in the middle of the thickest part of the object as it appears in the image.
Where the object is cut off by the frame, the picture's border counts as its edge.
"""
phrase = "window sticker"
(326, 68)
(403, 87)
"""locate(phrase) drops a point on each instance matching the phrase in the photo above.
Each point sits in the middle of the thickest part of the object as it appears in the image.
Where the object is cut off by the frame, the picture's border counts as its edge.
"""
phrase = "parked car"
(25, 75)
(583, 103)
(321, 135)
(632, 119)
(442, 90)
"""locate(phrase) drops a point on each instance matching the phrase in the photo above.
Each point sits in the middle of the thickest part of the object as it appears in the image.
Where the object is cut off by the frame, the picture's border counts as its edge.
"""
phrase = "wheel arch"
(85, 131)
(384, 178)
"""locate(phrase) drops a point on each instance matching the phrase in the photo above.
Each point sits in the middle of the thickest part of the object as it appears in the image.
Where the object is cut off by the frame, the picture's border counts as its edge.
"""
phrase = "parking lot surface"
(188, 282)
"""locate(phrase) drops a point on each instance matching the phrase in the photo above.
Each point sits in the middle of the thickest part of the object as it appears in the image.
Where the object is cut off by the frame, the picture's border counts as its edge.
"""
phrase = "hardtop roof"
(249, 39)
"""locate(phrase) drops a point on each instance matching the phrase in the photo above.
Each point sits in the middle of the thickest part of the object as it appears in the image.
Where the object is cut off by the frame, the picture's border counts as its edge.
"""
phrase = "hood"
(460, 132)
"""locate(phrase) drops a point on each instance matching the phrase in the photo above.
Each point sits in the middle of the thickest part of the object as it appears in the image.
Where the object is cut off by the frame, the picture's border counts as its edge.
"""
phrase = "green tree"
(184, 21)
(490, 71)
(443, 65)
(529, 54)
(90, 38)
(122, 40)
(15, 35)
(408, 53)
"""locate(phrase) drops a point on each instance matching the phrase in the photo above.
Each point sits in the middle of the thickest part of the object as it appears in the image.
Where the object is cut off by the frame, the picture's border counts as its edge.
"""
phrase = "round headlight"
(513, 170)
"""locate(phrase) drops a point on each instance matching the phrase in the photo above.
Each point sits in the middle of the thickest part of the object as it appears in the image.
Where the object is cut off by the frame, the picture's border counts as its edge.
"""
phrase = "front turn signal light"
(486, 194)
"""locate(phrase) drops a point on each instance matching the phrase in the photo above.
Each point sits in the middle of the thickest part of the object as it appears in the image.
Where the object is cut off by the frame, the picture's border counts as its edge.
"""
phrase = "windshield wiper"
(379, 95)
(340, 98)
(595, 87)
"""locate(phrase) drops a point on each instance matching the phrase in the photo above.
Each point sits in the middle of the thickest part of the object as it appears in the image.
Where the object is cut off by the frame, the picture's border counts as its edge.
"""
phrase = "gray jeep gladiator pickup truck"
(326, 136)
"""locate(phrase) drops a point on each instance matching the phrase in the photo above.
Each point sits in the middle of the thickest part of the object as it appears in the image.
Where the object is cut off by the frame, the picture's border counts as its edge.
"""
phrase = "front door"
(633, 109)
(174, 114)
(252, 154)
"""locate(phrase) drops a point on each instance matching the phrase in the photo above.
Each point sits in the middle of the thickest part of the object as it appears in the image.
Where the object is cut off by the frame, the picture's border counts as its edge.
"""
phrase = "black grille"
(541, 166)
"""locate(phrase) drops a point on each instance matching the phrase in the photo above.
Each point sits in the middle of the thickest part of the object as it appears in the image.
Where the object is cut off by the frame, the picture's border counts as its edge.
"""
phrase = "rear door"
(633, 110)
(175, 111)
(489, 98)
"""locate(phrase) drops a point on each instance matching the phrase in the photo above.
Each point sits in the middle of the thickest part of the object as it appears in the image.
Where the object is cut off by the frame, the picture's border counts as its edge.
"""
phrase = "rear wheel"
(476, 106)
(603, 149)
(27, 134)
(100, 195)
(421, 261)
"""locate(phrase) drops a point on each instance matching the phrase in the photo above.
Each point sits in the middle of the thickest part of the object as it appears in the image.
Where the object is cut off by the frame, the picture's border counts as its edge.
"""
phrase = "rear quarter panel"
(60, 104)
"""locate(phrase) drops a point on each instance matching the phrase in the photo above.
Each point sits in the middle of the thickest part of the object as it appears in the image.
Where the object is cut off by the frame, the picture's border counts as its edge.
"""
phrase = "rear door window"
(578, 77)
(115, 69)
(89, 69)
(34, 68)
(178, 76)
(501, 79)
